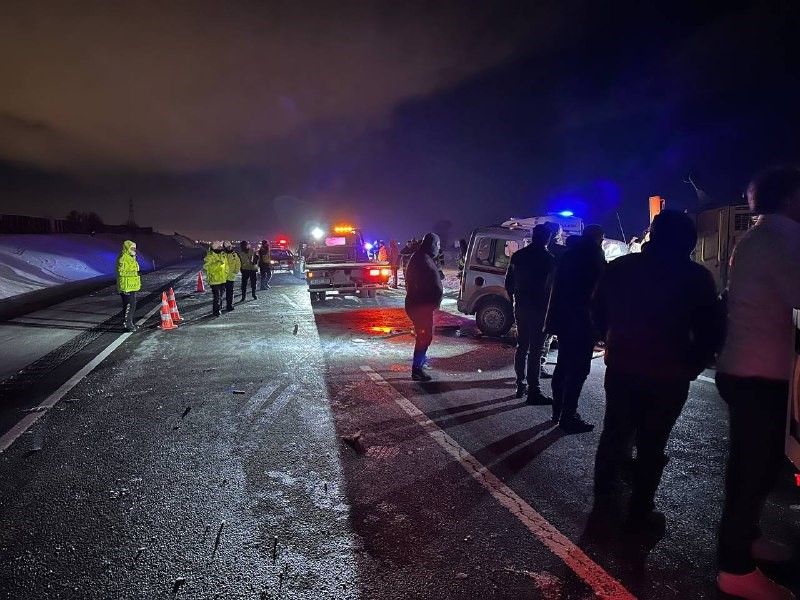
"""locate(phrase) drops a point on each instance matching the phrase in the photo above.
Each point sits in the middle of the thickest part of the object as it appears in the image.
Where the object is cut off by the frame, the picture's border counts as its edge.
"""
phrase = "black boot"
(537, 398)
(522, 389)
(418, 374)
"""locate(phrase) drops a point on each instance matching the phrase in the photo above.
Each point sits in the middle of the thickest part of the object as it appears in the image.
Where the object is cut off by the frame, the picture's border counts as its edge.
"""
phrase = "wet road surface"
(282, 451)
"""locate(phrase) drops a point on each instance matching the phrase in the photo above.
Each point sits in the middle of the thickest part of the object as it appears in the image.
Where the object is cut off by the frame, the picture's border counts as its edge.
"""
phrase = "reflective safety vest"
(234, 264)
(128, 279)
(216, 267)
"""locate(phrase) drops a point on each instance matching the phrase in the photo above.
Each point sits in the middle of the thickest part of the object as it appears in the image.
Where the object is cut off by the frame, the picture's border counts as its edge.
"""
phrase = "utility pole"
(131, 219)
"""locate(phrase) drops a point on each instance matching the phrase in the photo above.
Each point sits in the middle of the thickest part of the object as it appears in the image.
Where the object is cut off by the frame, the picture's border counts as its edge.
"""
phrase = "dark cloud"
(196, 85)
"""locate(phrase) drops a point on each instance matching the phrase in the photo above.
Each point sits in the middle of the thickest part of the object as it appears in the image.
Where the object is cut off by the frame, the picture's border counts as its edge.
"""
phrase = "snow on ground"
(32, 262)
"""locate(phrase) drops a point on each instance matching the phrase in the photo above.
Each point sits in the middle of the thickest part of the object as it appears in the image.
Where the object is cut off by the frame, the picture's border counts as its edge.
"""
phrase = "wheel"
(494, 317)
(317, 297)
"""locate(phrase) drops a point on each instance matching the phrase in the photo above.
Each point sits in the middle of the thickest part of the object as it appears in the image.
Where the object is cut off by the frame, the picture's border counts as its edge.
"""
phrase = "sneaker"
(522, 389)
(752, 586)
(767, 550)
(420, 375)
(538, 399)
(575, 425)
(255, 297)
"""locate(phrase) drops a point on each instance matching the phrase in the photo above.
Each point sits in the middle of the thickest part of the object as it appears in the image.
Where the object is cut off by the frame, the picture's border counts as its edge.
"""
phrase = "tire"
(494, 317)
(317, 297)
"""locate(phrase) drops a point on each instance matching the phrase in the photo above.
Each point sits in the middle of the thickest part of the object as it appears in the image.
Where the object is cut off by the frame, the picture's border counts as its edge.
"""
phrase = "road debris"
(461, 576)
(219, 538)
(242, 392)
(176, 585)
(296, 328)
(274, 549)
(355, 441)
(186, 412)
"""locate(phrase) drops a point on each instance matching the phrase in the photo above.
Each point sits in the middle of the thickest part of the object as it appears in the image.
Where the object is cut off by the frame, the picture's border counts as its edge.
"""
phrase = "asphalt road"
(282, 451)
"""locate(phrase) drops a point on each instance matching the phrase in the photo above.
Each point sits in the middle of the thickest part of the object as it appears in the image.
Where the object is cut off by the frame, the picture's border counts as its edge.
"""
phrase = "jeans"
(422, 318)
(757, 416)
(643, 410)
(266, 275)
(216, 290)
(128, 309)
(575, 349)
(530, 339)
(248, 276)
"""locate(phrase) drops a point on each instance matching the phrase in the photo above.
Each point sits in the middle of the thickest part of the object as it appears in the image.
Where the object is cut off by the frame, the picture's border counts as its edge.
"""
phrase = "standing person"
(128, 282)
(265, 264)
(528, 281)
(423, 296)
(394, 260)
(383, 253)
(753, 373)
(557, 248)
(234, 265)
(248, 259)
(216, 268)
(659, 314)
(568, 317)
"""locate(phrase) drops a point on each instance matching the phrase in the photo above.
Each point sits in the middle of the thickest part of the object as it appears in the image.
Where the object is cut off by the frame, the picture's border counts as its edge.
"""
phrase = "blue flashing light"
(368, 246)
(566, 213)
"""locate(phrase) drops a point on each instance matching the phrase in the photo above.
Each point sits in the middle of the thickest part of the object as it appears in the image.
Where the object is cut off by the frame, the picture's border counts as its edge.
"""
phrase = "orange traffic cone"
(166, 319)
(200, 286)
(173, 307)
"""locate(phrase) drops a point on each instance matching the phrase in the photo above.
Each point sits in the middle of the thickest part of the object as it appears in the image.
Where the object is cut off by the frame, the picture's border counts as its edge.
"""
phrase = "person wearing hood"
(249, 262)
(423, 296)
(661, 319)
(394, 260)
(528, 281)
(569, 318)
(264, 264)
(216, 268)
(128, 282)
(234, 265)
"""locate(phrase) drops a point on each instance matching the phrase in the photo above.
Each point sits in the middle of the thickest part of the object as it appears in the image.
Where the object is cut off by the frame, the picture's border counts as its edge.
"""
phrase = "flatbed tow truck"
(337, 262)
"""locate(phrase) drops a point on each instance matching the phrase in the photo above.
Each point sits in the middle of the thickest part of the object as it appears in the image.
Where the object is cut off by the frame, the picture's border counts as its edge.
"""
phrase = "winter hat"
(216, 245)
(227, 245)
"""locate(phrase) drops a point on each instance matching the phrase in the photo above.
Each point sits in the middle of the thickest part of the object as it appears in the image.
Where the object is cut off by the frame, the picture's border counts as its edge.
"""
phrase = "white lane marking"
(603, 584)
(280, 402)
(374, 376)
(25, 423)
(261, 396)
(706, 378)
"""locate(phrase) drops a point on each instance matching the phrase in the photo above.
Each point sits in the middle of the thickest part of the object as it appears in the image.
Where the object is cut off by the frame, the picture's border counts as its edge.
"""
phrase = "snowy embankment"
(33, 262)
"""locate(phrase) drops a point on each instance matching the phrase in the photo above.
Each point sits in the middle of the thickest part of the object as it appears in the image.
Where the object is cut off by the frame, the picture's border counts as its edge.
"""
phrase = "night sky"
(247, 119)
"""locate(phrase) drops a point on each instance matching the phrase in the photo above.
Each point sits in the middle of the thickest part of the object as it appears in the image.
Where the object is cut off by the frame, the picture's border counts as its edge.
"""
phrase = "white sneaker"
(770, 551)
(752, 586)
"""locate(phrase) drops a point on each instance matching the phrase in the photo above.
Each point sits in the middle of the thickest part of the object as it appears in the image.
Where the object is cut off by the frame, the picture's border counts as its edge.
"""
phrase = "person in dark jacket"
(528, 281)
(264, 265)
(423, 296)
(557, 248)
(249, 262)
(659, 314)
(569, 317)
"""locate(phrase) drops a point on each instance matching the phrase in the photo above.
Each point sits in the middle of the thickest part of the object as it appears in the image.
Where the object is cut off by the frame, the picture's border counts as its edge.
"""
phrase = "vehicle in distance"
(338, 263)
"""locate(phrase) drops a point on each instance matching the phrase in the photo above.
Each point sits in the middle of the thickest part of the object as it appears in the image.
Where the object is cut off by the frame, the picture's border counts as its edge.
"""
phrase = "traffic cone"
(166, 319)
(173, 307)
(200, 286)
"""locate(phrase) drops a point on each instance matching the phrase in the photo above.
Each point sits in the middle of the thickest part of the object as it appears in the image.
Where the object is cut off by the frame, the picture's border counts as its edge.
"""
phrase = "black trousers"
(757, 416)
(128, 308)
(248, 276)
(229, 295)
(644, 410)
(575, 349)
(216, 290)
(266, 275)
(530, 339)
(422, 318)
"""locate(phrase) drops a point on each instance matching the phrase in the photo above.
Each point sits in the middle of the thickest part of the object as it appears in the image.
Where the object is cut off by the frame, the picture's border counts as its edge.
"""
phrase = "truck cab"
(719, 229)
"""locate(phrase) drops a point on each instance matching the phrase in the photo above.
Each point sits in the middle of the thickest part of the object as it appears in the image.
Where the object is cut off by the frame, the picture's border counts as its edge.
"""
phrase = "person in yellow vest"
(216, 268)
(249, 260)
(128, 282)
(234, 265)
